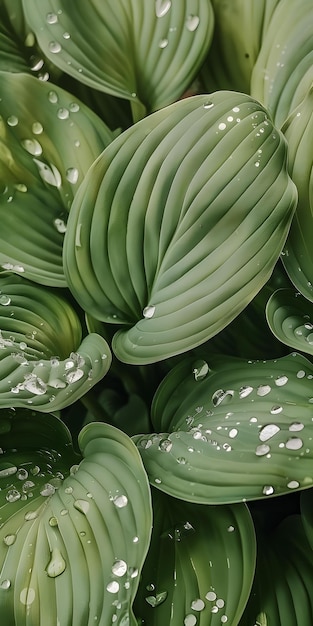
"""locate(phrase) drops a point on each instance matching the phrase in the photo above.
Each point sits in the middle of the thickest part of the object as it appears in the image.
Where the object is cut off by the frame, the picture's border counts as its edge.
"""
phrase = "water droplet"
(35, 385)
(263, 390)
(119, 568)
(74, 376)
(113, 586)
(57, 564)
(55, 47)
(50, 175)
(5, 300)
(163, 43)
(268, 431)
(63, 113)
(156, 600)
(294, 443)
(222, 126)
(281, 380)
(301, 374)
(296, 427)
(47, 490)
(268, 490)
(12, 120)
(5, 584)
(224, 619)
(8, 471)
(37, 128)
(220, 603)
(197, 605)
(293, 484)
(262, 450)
(211, 596)
(51, 18)
(82, 506)
(9, 540)
(32, 146)
(220, 395)
(53, 97)
(245, 391)
(190, 620)
(181, 460)
(120, 501)
(275, 410)
(13, 495)
(72, 175)
(53, 521)
(162, 7)
(233, 433)
(200, 370)
(22, 474)
(236, 109)
(165, 445)
(60, 225)
(149, 311)
(230, 529)
(30, 515)
(192, 22)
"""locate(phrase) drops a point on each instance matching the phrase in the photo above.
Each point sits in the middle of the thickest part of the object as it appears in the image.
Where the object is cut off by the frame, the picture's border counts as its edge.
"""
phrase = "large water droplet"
(162, 7)
(120, 501)
(294, 443)
(13, 495)
(53, 97)
(281, 380)
(72, 175)
(32, 146)
(35, 385)
(296, 427)
(5, 584)
(268, 490)
(211, 596)
(60, 225)
(50, 175)
(268, 431)
(165, 445)
(8, 471)
(55, 47)
(263, 390)
(220, 395)
(149, 311)
(197, 605)
(119, 568)
(63, 113)
(163, 43)
(47, 490)
(5, 300)
(57, 564)
(37, 128)
(113, 586)
(30, 515)
(12, 120)
(82, 506)
(200, 370)
(192, 22)
(293, 484)
(190, 620)
(156, 600)
(51, 18)
(262, 450)
(245, 391)
(9, 540)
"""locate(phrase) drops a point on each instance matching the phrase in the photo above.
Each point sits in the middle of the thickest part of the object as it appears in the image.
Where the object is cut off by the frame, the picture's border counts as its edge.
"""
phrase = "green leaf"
(238, 34)
(71, 550)
(44, 362)
(289, 316)
(232, 430)
(282, 592)
(297, 256)
(48, 140)
(147, 52)
(174, 231)
(200, 564)
(283, 69)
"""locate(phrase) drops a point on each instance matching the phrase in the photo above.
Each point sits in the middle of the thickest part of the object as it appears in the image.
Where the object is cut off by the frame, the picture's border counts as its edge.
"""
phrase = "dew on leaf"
(12, 120)
(268, 431)
(295, 443)
(262, 450)
(82, 506)
(120, 501)
(163, 43)
(156, 600)
(113, 586)
(63, 113)
(57, 564)
(275, 410)
(8, 540)
(211, 596)
(53, 97)
(200, 370)
(30, 515)
(263, 390)
(55, 47)
(192, 22)
(5, 584)
(47, 490)
(8, 471)
(13, 495)
(197, 605)
(49, 173)
(293, 484)
(51, 18)
(281, 381)
(190, 620)
(149, 311)
(296, 427)
(245, 391)
(268, 490)
(119, 568)
(162, 7)
(37, 128)
(165, 445)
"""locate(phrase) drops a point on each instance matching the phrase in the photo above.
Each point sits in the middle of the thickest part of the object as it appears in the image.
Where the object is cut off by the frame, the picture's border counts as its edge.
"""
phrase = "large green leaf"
(179, 223)
(147, 52)
(200, 564)
(48, 140)
(289, 316)
(282, 590)
(44, 362)
(232, 430)
(297, 256)
(239, 30)
(73, 538)
(283, 70)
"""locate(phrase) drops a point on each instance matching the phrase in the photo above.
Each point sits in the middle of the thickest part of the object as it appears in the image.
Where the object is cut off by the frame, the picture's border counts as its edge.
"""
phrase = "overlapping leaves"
(200, 564)
(73, 537)
(233, 431)
(179, 223)
(147, 52)
(48, 141)
(289, 315)
(44, 361)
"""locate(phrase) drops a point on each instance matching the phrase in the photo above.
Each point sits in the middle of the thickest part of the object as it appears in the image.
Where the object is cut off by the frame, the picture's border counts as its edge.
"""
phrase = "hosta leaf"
(297, 256)
(239, 30)
(282, 590)
(44, 362)
(232, 431)
(200, 564)
(47, 143)
(289, 315)
(71, 550)
(147, 52)
(179, 223)
(285, 59)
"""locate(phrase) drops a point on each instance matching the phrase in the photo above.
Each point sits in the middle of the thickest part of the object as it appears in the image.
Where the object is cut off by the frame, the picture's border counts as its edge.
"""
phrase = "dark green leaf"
(289, 315)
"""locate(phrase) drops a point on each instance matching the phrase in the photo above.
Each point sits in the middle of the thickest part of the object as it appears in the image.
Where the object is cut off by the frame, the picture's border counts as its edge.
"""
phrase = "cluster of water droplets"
(162, 9)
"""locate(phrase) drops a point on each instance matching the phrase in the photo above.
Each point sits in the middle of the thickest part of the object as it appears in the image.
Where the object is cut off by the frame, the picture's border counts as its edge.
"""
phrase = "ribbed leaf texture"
(233, 431)
(297, 256)
(283, 71)
(44, 362)
(147, 52)
(200, 564)
(73, 538)
(290, 317)
(48, 140)
(179, 224)
(282, 591)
